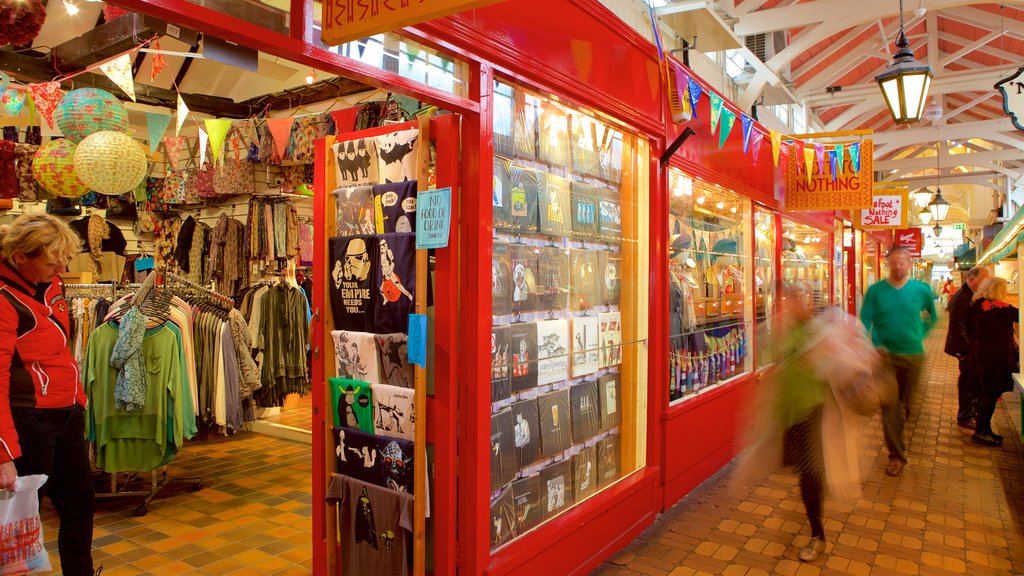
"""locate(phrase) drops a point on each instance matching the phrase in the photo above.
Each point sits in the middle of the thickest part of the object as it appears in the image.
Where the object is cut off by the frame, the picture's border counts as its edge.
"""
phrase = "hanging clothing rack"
(215, 297)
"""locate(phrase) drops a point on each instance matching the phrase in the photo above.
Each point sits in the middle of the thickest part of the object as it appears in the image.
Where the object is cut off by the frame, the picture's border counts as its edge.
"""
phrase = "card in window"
(553, 280)
(586, 345)
(554, 134)
(524, 129)
(526, 187)
(585, 277)
(527, 495)
(610, 154)
(501, 193)
(611, 339)
(503, 140)
(584, 211)
(503, 449)
(525, 432)
(501, 366)
(501, 279)
(611, 277)
(503, 518)
(608, 458)
(608, 398)
(523, 355)
(609, 217)
(586, 411)
(585, 133)
(556, 488)
(555, 422)
(552, 351)
(584, 473)
(525, 271)
(555, 207)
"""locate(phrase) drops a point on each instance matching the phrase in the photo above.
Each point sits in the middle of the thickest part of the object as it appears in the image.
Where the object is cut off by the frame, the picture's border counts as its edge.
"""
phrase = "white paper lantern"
(110, 162)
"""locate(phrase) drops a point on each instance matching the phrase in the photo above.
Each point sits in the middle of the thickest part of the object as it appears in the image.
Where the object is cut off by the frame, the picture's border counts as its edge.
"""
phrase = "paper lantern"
(87, 110)
(54, 169)
(110, 162)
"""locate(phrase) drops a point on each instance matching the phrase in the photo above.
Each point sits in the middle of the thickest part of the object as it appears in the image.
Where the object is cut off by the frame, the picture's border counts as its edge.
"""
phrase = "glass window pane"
(568, 339)
(709, 264)
(764, 278)
(806, 262)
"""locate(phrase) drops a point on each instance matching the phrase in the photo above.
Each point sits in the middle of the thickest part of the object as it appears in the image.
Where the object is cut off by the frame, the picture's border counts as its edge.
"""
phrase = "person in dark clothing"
(958, 345)
(993, 353)
(42, 403)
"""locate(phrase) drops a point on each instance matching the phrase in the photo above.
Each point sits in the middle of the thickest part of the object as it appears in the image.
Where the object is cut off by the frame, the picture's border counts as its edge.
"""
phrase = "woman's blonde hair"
(35, 234)
(991, 288)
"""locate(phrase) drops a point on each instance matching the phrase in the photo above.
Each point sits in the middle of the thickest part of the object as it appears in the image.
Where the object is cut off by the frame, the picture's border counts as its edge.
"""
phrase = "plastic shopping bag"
(21, 531)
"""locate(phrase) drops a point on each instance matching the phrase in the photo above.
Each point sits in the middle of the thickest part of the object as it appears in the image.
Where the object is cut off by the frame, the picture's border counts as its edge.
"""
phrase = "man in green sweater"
(892, 314)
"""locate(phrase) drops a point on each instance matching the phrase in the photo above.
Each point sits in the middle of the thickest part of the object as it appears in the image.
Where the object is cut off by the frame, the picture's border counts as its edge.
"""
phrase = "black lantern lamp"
(905, 82)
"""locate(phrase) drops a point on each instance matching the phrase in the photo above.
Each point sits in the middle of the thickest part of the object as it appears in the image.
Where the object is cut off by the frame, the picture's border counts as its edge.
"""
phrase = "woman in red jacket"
(42, 404)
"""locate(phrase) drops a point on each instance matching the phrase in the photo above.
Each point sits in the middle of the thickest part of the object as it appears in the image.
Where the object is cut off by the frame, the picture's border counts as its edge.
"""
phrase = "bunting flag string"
(280, 130)
(119, 70)
(218, 131)
(45, 97)
(832, 163)
(157, 61)
(202, 147)
(758, 139)
(748, 128)
(776, 138)
(855, 156)
(156, 124)
(819, 151)
(728, 119)
(182, 114)
(682, 83)
(716, 110)
(173, 145)
(694, 89)
(784, 151)
(809, 162)
(13, 101)
(841, 156)
(800, 153)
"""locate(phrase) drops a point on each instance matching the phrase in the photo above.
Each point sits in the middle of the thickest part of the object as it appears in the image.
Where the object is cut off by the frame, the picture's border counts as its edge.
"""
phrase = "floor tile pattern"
(252, 515)
(958, 508)
(300, 417)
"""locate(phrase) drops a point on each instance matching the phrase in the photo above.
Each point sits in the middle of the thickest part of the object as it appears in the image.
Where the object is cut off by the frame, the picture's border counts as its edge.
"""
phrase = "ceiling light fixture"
(925, 215)
(922, 196)
(938, 206)
(311, 77)
(937, 229)
(71, 7)
(905, 82)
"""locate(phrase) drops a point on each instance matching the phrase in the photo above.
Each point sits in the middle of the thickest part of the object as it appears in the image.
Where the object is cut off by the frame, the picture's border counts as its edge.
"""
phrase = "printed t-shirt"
(393, 411)
(355, 356)
(375, 525)
(353, 403)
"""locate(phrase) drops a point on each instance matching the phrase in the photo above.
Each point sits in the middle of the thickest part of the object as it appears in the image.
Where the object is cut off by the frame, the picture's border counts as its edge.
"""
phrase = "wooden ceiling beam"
(112, 39)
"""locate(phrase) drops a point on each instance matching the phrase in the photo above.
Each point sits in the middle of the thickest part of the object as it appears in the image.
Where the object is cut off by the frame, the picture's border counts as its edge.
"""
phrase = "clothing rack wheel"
(159, 479)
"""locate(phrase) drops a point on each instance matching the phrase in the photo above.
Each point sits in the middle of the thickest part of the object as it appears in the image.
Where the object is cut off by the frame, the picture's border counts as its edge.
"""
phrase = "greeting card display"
(553, 283)
(608, 457)
(608, 397)
(523, 352)
(552, 351)
(501, 193)
(555, 422)
(585, 133)
(525, 107)
(610, 265)
(584, 473)
(611, 338)
(527, 495)
(586, 411)
(503, 518)
(525, 262)
(555, 215)
(500, 363)
(503, 449)
(554, 134)
(585, 345)
(526, 186)
(525, 432)
(585, 289)
(556, 488)
(584, 212)
(609, 217)
(504, 144)
(501, 280)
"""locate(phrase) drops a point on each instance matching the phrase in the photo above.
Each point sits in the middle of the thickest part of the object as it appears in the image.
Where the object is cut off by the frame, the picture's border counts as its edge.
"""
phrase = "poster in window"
(523, 353)
(610, 263)
(555, 207)
(585, 277)
(354, 261)
(585, 345)
(554, 134)
(524, 129)
(501, 279)
(527, 495)
(608, 456)
(525, 262)
(584, 473)
(584, 211)
(501, 193)
(503, 518)
(555, 422)
(500, 363)
(524, 205)
(552, 351)
(586, 411)
(503, 449)
(556, 488)
(608, 399)
(611, 338)
(553, 278)
(525, 432)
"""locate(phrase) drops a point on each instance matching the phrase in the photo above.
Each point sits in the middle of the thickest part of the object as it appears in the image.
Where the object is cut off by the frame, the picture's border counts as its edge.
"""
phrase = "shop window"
(569, 304)
(839, 266)
(764, 286)
(806, 262)
(409, 59)
(709, 268)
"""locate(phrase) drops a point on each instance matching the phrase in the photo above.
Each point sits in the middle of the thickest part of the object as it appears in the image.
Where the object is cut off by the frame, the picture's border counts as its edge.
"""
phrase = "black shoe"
(969, 424)
(987, 439)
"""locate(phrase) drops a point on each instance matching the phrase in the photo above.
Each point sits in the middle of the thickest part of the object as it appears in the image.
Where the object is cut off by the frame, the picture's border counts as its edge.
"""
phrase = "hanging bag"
(21, 550)
(234, 178)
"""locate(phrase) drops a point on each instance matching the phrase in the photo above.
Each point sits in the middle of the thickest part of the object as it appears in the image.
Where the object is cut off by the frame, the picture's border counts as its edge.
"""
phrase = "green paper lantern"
(110, 162)
(88, 110)
(54, 169)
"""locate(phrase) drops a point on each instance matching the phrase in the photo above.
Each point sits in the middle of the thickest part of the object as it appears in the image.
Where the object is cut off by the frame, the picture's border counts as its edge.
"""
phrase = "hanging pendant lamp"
(905, 82)
(925, 215)
(939, 207)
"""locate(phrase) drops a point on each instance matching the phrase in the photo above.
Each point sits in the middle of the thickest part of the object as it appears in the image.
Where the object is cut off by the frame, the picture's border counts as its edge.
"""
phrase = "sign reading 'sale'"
(888, 210)
(850, 190)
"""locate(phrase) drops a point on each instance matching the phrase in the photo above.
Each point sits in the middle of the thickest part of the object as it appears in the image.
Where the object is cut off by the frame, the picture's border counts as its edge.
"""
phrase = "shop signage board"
(850, 189)
(434, 216)
(911, 239)
(348, 20)
(888, 210)
(1012, 91)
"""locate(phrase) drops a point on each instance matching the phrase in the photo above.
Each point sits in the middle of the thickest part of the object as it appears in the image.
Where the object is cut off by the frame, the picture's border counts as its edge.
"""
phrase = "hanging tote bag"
(21, 549)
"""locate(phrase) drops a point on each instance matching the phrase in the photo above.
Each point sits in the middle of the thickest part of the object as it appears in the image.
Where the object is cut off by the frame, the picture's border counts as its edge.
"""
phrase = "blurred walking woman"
(993, 353)
(42, 404)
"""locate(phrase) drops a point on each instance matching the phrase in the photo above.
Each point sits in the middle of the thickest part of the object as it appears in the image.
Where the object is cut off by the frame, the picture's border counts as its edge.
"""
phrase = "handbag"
(119, 208)
(234, 178)
(19, 515)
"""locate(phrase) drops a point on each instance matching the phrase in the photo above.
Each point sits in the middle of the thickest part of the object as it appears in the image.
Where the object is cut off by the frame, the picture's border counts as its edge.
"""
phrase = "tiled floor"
(957, 509)
(300, 417)
(252, 515)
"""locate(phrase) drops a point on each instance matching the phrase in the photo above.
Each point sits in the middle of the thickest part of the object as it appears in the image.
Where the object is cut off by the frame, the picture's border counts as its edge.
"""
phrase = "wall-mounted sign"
(1012, 89)
(959, 226)
(849, 190)
(348, 20)
(911, 239)
(888, 210)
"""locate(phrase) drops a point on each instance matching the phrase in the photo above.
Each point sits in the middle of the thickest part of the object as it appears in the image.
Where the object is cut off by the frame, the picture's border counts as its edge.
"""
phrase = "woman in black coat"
(993, 353)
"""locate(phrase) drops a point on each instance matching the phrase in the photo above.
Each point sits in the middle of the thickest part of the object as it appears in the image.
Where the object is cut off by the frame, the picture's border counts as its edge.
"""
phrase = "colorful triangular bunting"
(119, 70)
(45, 97)
(776, 138)
(716, 110)
(855, 156)
(158, 62)
(281, 130)
(156, 124)
(218, 131)
(728, 119)
(694, 90)
(756, 145)
(202, 147)
(841, 156)
(819, 152)
(182, 114)
(809, 162)
(748, 128)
